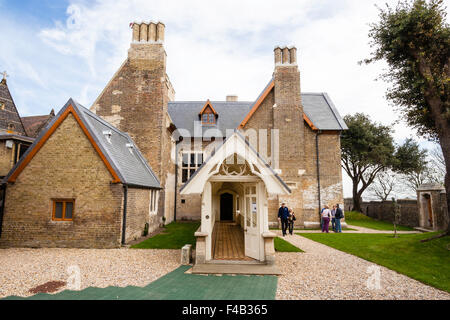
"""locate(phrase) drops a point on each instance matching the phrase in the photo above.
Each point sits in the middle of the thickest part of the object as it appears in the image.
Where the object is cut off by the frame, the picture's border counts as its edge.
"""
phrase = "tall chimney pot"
(285, 55)
(277, 53)
(136, 28)
(143, 32)
(160, 27)
(293, 55)
(152, 32)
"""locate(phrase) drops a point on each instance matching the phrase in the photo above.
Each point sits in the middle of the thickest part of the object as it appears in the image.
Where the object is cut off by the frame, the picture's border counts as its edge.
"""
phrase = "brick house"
(82, 183)
(228, 161)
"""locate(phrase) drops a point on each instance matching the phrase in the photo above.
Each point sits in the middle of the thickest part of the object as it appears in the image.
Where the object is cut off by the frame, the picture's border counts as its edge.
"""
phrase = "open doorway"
(428, 211)
(226, 207)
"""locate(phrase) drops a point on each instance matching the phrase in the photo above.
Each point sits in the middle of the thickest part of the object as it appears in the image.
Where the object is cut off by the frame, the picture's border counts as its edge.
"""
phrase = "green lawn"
(361, 220)
(282, 245)
(176, 235)
(428, 262)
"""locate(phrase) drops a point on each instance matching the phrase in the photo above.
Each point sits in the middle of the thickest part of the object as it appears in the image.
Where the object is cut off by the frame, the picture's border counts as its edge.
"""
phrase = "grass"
(282, 245)
(428, 262)
(176, 235)
(300, 229)
(361, 220)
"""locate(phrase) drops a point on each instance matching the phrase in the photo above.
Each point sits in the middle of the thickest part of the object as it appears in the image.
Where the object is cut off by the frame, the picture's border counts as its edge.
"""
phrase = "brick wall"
(297, 148)
(67, 166)
(5, 158)
(138, 214)
(383, 210)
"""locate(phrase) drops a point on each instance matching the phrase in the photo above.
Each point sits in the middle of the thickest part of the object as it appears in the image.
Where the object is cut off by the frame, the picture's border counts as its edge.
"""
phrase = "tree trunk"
(356, 198)
(447, 190)
(443, 129)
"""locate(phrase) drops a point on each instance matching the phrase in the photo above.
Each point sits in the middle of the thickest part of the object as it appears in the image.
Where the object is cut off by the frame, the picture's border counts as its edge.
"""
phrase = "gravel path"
(322, 272)
(23, 269)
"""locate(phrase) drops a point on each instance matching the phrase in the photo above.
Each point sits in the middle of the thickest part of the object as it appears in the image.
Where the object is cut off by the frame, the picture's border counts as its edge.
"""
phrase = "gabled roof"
(34, 124)
(126, 167)
(208, 104)
(274, 183)
(185, 113)
(321, 111)
(9, 115)
(258, 102)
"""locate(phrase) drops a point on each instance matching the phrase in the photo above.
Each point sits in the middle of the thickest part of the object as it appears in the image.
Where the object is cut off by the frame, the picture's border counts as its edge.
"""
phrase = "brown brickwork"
(282, 110)
(6, 157)
(138, 201)
(135, 101)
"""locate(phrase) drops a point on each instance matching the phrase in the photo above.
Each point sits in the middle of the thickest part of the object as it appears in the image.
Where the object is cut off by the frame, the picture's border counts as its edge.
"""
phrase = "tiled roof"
(318, 107)
(8, 112)
(117, 147)
(34, 124)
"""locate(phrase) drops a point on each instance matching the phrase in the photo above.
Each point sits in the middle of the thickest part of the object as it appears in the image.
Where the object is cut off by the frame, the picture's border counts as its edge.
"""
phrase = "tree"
(368, 149)
(418, 177)
(414, 39)
(385, 184)
(438, 163)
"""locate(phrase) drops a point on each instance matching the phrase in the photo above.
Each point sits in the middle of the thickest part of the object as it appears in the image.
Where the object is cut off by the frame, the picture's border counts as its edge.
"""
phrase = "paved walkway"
(324, 273)
(178, 285)
(357, 230)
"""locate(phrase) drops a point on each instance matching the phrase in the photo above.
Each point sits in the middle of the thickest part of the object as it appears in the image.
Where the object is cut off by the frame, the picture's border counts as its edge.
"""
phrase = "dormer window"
(208, 115)
(208, 118)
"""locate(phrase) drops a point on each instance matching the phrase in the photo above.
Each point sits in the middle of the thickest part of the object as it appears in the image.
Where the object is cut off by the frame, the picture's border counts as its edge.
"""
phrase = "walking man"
(339, 215)
(283, 215)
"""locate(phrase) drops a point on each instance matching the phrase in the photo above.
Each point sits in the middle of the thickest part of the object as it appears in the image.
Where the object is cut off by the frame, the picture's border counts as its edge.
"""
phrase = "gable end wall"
(67, 166)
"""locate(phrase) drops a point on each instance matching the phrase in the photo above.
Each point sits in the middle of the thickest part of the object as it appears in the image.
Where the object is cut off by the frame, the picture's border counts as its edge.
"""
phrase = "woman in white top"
(326, 215)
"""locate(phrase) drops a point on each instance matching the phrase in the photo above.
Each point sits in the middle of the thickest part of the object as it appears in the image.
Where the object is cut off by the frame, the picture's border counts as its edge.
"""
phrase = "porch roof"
(268, 174)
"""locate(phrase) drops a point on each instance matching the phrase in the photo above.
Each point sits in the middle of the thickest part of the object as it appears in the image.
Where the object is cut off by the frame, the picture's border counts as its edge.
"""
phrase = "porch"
(228, 254)
(235, 184)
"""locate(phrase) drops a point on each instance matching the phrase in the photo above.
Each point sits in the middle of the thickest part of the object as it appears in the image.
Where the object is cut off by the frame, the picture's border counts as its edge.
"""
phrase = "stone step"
(250, 269)
(422, 229)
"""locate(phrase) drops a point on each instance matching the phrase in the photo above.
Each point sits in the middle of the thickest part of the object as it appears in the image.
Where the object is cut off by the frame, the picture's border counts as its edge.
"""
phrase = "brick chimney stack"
(232, 98)
(285, 56)
(150, 32)
(288, 120)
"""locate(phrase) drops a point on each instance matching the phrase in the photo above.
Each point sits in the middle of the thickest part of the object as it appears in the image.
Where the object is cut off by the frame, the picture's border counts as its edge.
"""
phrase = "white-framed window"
(154, 197)
(190, 162)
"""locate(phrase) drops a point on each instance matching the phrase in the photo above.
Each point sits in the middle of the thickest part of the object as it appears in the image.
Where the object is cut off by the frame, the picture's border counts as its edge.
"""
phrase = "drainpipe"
(124, 218)
(176, 178)
(318, 173)
(2, 207)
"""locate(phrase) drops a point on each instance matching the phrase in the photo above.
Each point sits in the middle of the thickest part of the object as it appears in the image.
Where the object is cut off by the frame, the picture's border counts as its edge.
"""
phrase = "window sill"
(61, 221)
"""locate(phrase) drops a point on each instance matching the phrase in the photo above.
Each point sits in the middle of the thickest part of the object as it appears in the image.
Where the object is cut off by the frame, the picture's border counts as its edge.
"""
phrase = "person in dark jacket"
(291, 221)
(338, 216)
(283, 215)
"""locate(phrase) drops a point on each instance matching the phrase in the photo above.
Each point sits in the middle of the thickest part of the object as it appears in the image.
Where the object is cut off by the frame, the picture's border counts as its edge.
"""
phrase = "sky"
(54, 50)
